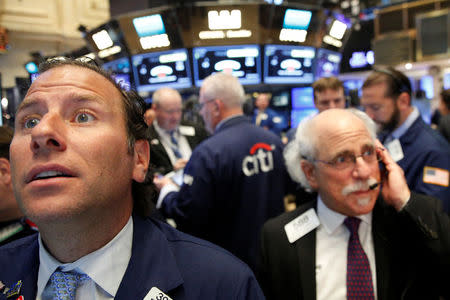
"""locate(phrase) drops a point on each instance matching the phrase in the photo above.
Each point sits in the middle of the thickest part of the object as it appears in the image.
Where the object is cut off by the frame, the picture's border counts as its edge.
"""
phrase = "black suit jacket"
(159, 160)
(412, 252)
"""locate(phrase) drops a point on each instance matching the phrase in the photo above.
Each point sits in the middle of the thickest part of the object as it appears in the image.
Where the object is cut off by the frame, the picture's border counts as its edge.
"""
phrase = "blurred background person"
(234, 181)
(171, 141)
(328, 93)
(423, 154)
(266, 117)
(12, 223)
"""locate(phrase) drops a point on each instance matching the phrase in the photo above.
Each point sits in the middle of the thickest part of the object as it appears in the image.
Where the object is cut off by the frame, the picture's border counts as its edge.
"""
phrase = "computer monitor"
(161, 69)
(242, 61)
(285, 64)
(121, 70)
(327, 63)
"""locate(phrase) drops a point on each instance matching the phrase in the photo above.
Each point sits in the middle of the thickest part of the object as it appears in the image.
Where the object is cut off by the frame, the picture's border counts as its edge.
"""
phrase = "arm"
(191, 207)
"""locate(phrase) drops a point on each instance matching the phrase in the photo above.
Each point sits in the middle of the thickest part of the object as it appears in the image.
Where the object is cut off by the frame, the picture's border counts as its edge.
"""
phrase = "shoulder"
(276, 225)
(203, 264)
(429, 139)
(16, 253)
(191, 248)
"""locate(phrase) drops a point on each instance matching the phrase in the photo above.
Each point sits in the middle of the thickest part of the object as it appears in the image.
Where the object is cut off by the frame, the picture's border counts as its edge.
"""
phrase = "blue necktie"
(63, 285)
(175, 145)
(359, 276)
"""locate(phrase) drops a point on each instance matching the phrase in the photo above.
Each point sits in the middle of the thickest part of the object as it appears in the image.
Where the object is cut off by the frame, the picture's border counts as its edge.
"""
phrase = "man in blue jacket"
(266, 117)
(422, 153)
(79, 157)
(234, 180)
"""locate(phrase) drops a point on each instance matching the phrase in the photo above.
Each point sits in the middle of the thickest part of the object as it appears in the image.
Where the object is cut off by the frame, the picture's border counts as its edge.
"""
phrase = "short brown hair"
(327, 83)
(6, 135)
(396, 81)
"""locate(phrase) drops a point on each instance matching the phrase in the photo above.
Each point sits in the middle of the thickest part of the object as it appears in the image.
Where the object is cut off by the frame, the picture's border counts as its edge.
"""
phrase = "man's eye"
(340, 159)
(83, 117)
(30, 123)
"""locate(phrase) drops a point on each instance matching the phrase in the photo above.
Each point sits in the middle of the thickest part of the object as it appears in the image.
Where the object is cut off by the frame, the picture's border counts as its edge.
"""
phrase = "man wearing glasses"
(171, 142)
(234, 181)
(366, 236)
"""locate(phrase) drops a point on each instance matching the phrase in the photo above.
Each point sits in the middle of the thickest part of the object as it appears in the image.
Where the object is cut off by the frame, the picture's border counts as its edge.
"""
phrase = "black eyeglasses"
(347, 160)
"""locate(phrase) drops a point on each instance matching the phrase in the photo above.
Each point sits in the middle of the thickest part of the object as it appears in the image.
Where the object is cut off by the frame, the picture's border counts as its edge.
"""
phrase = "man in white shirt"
(171, 140)
(79, 158)
(387, 240)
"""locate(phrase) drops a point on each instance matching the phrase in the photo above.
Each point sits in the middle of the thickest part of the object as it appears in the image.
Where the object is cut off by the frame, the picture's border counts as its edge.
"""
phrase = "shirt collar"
(399, 131)
(331, 219)
(161, 131)
(220, 124)
(105, 266)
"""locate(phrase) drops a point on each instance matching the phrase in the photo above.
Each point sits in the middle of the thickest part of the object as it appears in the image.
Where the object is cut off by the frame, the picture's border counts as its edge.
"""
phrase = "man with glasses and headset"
(366, 236)
(421, 152)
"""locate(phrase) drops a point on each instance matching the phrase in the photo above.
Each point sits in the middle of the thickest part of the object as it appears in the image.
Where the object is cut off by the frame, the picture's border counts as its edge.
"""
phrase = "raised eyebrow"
(75, 97)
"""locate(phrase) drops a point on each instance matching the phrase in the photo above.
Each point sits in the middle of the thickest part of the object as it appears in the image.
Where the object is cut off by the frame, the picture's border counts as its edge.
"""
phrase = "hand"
(395, 190)
(180, 164)
(161, 181)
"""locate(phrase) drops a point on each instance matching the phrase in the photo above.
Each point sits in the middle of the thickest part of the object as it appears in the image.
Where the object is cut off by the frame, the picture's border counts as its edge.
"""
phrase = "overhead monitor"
(285, 64)
(302, 97)
(296, 19)
(161, 69)
(327, 63)
(121, 70)
(149, 25)
(242, 61)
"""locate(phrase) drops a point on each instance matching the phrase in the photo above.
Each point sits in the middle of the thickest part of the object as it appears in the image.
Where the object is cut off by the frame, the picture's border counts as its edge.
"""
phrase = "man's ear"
(5, 171)
(310, 173)
(403, 101)
(141, 160)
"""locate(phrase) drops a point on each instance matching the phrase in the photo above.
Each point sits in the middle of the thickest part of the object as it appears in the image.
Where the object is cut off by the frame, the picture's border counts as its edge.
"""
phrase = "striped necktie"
(174, 147)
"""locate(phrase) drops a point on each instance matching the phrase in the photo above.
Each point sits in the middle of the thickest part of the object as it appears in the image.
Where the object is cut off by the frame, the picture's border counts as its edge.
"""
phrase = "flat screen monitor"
(296, 19)
(285, 64)
(149, 25)
(327, 63)
(242, 61)
(302, 97)
(161, 69)
(297, 115)
(121, 70)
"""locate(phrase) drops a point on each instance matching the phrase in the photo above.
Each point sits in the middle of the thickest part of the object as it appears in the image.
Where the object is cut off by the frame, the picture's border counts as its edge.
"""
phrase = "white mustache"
(358, 186)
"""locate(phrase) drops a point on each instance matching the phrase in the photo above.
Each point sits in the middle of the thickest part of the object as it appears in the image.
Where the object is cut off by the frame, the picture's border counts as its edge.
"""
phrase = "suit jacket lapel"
(383, 250)
(151, 265)
(306, 250)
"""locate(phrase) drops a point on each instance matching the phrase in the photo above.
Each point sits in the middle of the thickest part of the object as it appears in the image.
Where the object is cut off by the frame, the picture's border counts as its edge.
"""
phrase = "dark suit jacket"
(159, 160)
(412, 252)
(180, 265)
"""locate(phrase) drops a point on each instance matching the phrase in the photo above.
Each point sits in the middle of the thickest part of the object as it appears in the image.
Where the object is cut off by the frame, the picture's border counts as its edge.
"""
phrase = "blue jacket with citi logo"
(234, 181)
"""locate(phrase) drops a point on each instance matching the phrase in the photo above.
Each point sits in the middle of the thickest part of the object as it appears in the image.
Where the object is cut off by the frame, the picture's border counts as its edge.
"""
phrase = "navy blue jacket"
(181, 266)
(422, 147)
(234, 181)
(271, 120)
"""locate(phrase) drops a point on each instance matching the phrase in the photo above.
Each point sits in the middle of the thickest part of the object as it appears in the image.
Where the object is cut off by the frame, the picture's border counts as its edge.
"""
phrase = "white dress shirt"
(183, 144)
(105, 267)
(331, 252)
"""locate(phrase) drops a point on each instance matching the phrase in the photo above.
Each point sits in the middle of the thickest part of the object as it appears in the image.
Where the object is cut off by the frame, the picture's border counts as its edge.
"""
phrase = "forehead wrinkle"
(73, 97)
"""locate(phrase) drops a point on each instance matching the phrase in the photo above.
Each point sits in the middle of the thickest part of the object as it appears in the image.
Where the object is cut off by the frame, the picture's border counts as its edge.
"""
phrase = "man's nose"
(48, 135)
(362, 169)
